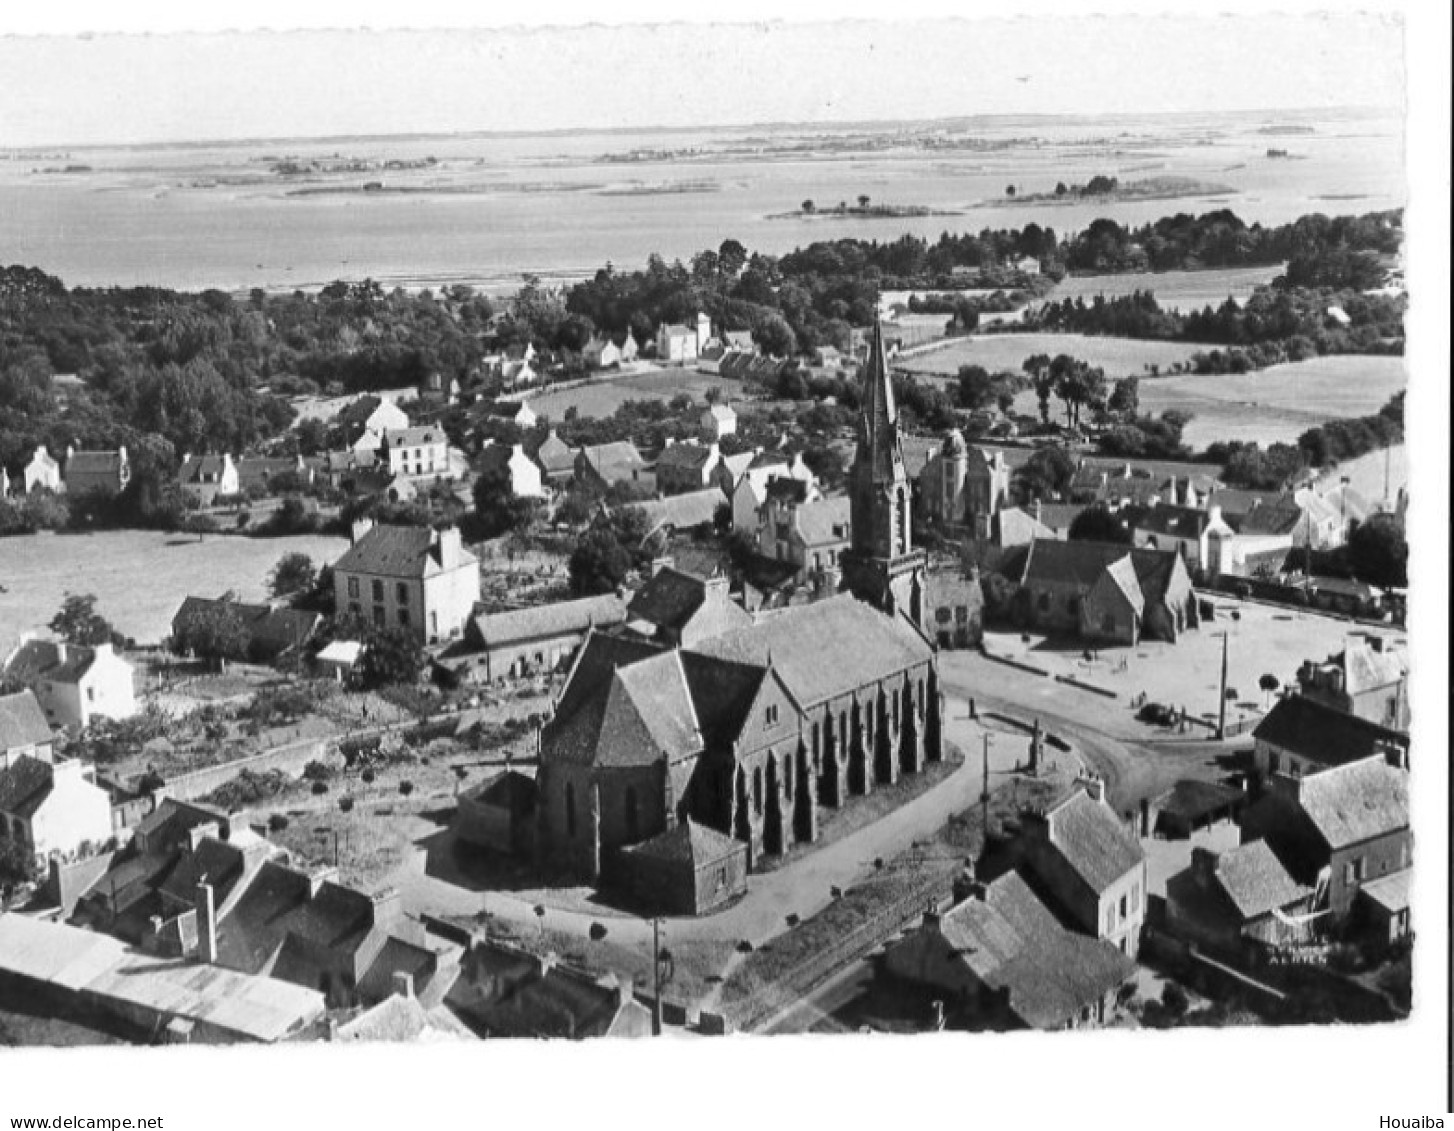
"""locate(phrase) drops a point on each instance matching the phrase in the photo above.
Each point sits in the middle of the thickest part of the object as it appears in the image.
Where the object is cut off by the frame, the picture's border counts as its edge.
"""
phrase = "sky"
(125, 88)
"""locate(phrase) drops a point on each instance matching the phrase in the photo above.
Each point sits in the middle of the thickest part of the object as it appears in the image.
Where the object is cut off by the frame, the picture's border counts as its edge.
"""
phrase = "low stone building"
(498, 814)
(539, 639)
(1106, 592)
(1239, 903)
(955, 608)
(99, 472)
(1302, 735)
(690, 869)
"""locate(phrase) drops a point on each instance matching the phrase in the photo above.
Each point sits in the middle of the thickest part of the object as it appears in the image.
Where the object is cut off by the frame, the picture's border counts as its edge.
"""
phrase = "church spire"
(879, 450)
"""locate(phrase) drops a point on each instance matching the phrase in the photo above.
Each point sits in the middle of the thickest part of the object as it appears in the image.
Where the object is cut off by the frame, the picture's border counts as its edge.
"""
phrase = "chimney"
(450, 545)
(402, 983)
(206, 924)
(1216, 514)
(361, 526)
(517, 449)
(62, 650)
(198, 833)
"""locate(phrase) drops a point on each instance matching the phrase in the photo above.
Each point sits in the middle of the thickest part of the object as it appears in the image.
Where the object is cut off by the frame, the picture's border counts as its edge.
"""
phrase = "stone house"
(810, 534)
(604, 464)
(1091, 868)
(75, 684)
(498, 814)
(601, 353)
(687, 466)
(719, 420)
(679, 608)
(100, 472)
(371, 415)
(1337, 830)
(1003, 961)
(409, 577)
(415, 453)
(1302, 735)
(1189, 531)
(680, 344)
(749, 492)
(955, 605)
(557, 459)
(963, 486)
(522, 472)
(540, 639)
(690, 869)
(1238, 903)
(1368, 679)
(1106, 592)
(271, 630)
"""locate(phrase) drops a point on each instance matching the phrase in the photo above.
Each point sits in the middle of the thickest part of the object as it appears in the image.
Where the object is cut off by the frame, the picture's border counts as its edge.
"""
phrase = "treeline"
(1274, 325)
(1221, 239)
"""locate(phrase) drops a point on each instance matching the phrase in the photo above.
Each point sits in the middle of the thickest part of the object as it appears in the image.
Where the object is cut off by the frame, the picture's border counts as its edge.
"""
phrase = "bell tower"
(881, 565)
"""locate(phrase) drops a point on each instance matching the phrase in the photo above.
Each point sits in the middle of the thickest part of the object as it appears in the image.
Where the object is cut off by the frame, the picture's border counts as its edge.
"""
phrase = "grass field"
(1280, 403)
(139, 577)
(1174, 290)
(1119, 357)
(602, 398)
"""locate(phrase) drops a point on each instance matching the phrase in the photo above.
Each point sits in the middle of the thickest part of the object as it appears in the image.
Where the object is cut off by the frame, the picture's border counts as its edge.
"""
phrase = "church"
(756, 727)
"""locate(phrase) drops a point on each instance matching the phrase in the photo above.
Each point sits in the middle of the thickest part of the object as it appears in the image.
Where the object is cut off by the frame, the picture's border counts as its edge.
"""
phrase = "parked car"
(1157, 713)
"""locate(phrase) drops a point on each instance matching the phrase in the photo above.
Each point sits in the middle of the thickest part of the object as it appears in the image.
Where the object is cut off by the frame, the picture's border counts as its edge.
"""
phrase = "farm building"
(539, 639)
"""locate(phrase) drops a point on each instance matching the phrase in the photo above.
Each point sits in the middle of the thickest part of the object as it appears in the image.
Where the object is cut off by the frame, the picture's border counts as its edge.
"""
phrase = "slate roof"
(1365, 667)
(359, 411)
(642, 714)
(797, 640)
(1122, 574)
(689, 843)
(201, 469)
(682, 512)
(397, 551)
(37, 659)
(1254, 879)
(669, 599)
(555, 455)
(1236, 503)
(1070, 563)
(1175, 522)
(502, 993)
(25, 786)
(599, 656)
(399, 1019)
(1357, 802)
(509, 790)
(1323, 734)
(1275, 519)
(22, 722)
(273, 630)
(618, 460)
(1191, 800)
(94, 463)
(824, 521)
(1012, 942)
(687, 456)
(560, 618)
(1390, 892)
(414, 437)
(1058, 516)
(1093, 841)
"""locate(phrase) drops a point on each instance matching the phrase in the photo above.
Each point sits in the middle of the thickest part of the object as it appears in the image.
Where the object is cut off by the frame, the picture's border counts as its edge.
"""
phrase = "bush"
(345, 804)
(368, 777)
(406, 788)
(277, 822)
(316, 771)
(1174, 1000)
(320, 788)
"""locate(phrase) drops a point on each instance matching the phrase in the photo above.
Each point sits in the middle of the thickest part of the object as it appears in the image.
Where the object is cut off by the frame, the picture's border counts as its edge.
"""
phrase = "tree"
(496, 505)
(1098, 524)
(78, 622)
(214, 632)
(294, 573)
(17, 863)
(977, 389)
(1125, 398)
(1009, 190)
(732, 256)
(1269, 683)
(1060, 188)
(1378, 553)
(1046, 474)
(1037, 367)
(863, 200)
(809, 207)
(599, 563)
(390, 656)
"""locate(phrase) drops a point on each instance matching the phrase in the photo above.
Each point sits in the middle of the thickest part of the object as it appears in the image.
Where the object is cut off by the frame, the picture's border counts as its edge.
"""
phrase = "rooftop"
(1255, 881)
(404, 551)
(689, 843)
(1323, 734)
(1093, 840)
(1357, 802)
(24, 786)
(22, 722)
(560, 618)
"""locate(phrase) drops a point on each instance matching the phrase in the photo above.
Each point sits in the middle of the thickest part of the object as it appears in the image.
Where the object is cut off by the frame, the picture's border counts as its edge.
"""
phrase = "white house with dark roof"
(1092, 866)
(1368, 678)
(416, 453)
(1188, 530)
(75, 684)
(615, 462)
(522, 473)
(409, 577)
(43, 472)
(1304, 735)
(719, 420)
(53, 807)
(372, 415)
(687, 466)
(205, 477)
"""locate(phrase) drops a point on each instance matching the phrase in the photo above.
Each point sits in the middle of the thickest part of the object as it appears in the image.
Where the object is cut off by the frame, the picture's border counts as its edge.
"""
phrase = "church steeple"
(881, 565)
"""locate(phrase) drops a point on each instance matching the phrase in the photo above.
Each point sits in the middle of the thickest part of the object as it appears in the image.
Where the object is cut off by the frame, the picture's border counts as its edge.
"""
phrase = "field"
(602, 398)
(1119, 357)
(1174, 290)
(1280, 403)
(139, 577)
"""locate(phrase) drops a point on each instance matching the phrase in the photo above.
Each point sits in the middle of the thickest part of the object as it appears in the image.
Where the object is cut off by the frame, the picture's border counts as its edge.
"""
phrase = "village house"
(409, 577)
(1091, 868)
(100, 472)
(204, 478)
(1106, 592)
(680, 609)
(519, 374)
(810, 534)
(415, 453)
(557, 459)
(719, 420)
(518, 413)
(955, 608)
(1187, 530)
(371, 416)
(401, 1018)
(1003, 961)
(539, 639)
(1368, 679)
(601, 353)
(1337, 830)
(1239, 903)
(24, 731)
(687, 466)
(271, 630)
(678, 344)
(694, 510)
(519, 470)
(75, 684)
(435, 391)
(266, 475)
(53, 807)
(749, 492)
(604, 464)
(690, 869)
(1302, 735)
(42, 473)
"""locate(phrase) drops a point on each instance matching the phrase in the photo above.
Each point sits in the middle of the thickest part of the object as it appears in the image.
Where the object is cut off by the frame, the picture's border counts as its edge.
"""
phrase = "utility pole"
(1222, 698)
(656, 977)
(984, 796)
